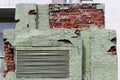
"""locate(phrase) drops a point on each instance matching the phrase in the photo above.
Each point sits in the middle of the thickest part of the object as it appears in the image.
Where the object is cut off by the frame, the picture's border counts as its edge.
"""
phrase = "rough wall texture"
(9, 58)
(76, 15)
(103, 63)
(59, 16)
(94, 49)
(34, 39)
(97, 60)
(24, 17)
(90, 57)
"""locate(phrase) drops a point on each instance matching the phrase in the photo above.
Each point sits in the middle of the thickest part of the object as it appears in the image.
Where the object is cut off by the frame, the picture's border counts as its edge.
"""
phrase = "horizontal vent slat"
(44, 75)
(41, 60)
(44, 71)
(42, 67)
(42, 64)
(52, 69)
(49, 54)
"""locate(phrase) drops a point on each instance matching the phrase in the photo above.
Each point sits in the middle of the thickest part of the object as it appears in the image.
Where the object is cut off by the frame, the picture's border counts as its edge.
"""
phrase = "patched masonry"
(61, 42)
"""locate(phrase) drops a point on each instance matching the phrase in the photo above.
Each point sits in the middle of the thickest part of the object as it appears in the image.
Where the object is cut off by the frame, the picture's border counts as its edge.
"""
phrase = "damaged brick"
(9, 57)
(75, 16)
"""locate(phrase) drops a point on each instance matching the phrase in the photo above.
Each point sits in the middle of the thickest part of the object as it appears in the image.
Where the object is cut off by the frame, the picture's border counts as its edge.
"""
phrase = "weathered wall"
(93, 41)
(59, 16)
(76, 15)
(103, 63)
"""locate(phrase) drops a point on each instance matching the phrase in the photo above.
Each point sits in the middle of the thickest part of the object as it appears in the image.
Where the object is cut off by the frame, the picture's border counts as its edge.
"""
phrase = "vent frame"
(75, 59)
(43, 63)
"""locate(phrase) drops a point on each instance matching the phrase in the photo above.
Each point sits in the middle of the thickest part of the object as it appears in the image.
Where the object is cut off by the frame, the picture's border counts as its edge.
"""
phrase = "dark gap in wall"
(32, 12)
(17, 20)
(65, 41)
(112, 50)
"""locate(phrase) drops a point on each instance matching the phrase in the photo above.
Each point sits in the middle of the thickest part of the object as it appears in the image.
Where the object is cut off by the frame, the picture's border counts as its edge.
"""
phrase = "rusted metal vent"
(42, 64)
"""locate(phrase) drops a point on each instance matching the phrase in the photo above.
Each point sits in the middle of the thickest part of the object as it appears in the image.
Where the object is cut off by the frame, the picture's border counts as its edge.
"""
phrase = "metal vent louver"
(42, 64)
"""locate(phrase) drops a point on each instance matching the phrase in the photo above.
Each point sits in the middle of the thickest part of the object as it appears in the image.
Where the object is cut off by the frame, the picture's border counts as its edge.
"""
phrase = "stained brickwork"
(76, 15)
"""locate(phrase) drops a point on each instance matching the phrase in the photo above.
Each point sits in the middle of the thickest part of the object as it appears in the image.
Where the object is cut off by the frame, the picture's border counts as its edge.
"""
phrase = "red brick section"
(75, 15)
(9, 58)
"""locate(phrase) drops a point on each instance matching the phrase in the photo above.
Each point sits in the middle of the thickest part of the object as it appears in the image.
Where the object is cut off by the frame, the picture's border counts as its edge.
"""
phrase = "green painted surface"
(95, 61)
(101, 6)
(37, 39)
(24, 19)
(43, 16)
(10, 35)
(86, 54)
(89, 59)
(10, 76)
(50, 38)
(103, 63)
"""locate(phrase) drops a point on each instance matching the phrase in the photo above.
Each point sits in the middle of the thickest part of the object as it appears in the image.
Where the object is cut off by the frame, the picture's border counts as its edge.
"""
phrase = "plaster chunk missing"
(32, 12)
(113, 40)
(17, 20)
(113, 48)
(77, 32)
(65, 41)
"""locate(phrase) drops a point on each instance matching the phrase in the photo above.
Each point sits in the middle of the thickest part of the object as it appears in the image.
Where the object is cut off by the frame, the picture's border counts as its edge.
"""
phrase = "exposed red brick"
(9, 58)
(5, 73)
(76, 16)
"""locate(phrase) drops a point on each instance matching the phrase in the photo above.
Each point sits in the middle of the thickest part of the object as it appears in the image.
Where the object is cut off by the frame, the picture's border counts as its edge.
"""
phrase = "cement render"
(92, 61)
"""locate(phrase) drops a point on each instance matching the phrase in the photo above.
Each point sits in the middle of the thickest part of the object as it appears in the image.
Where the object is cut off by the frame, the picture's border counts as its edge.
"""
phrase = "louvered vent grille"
(43, 64)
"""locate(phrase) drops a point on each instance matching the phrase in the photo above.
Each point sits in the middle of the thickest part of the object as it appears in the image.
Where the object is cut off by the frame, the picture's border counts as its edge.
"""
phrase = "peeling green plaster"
(89, 57)
(24, 19)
